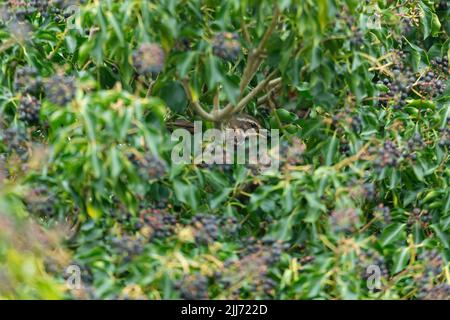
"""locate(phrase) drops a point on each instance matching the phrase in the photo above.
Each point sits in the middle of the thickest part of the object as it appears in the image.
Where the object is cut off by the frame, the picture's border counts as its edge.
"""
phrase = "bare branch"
(230, 109)
(269, 31)
(195, 103)
(254, 58)
(216, 100)
(253, 63)
(245, 30)
(274, 83)
(272, 89)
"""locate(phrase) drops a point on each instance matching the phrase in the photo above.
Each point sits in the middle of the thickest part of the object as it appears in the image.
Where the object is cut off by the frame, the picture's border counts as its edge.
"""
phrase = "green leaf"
(231, 90)
(284, 115)
(116, 27)
(392, 233)
(214, 75)
(401, 258)
(220, 198)
(418, 171)
(331, 151)
(186, 193)
(115, 162)
(288, 198)
(443, 236)
(174, 96)
(93, 212)
(435, 25)
(185, 64)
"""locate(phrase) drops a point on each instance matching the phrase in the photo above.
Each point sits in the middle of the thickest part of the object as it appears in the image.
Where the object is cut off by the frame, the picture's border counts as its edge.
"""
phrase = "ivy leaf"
(186, 194)
(435, 25)
(392, 233)
(401, 258)
(174, 96)
(186, 60)
(93, 212)
(429, 21)
(332, 147)
(441, 235)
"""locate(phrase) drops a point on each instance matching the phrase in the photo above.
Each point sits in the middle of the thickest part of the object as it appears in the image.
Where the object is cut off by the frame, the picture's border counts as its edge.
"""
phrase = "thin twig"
(353, 158)
(254, 59)
(253, 63)
(266, 97)
(216, 101)
(197, 107)
(245, 30)
(229, 109)
(149, 90)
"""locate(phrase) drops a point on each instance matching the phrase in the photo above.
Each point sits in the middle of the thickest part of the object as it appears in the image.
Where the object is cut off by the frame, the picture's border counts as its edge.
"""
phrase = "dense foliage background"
(90, 91)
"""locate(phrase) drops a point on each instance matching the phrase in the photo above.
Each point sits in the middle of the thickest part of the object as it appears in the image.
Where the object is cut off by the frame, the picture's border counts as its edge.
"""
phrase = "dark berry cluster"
(156, 223)
(226, 45)
(442, 5)
(384, 213)
(344, 148)
(60, 90)
(369, 258)
(128, 246)
(433, 266)
(16, 141)
(151, 167)
(356, 124)
(401, 83)
(415, 144)
(445, 136)
(41, 201)
(23, 9)
(419, 216)
(406, 25)
(439, 291)
(369, 191)
(349, 21)
(346, 17)
(250, 273)
(387, 156)
(440, 65)
(27, 80)
(270, 250)
(230, 225)
(206, 228)
(193, 287)
(433, 263)
(353, 123)
(29, 110)
(431, 84)
(344, 220)
(357, 38)
(362, 190)
(148, 59)
(60, 9)
(119, 212)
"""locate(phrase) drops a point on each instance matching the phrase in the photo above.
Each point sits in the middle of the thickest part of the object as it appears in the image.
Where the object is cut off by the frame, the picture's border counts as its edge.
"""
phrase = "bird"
(239, 121)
